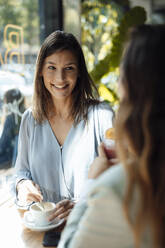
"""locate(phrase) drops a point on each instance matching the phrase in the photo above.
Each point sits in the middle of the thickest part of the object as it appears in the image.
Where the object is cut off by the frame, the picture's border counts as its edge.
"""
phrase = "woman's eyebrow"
(53, 63)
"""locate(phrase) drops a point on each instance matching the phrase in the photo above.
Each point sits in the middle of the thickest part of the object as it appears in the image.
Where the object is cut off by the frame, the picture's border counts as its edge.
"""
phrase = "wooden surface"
(13, 234)
(5, 195)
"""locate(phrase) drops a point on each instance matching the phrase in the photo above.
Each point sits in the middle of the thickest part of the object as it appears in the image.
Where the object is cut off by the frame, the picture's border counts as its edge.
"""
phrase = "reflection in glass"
(19, 44)
(72, 15)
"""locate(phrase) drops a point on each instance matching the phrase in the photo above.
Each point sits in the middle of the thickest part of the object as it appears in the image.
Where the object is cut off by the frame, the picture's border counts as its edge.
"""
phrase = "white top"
(60, 171)
(100, 222)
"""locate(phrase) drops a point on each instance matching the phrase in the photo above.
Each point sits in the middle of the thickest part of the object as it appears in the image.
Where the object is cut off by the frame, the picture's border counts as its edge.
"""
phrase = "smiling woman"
(59, 136)
(60, 72)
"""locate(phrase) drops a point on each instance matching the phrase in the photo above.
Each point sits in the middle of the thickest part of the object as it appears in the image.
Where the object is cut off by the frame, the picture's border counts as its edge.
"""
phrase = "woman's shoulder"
(102, 109)
(28, 116)
(28, 111)
(104, 105)
(112, 180)
(101, 106)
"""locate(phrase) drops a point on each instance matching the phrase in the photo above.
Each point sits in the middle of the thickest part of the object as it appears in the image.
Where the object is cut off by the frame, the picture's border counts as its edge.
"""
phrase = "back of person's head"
(140, 128)
(14, 97)
(59, 41)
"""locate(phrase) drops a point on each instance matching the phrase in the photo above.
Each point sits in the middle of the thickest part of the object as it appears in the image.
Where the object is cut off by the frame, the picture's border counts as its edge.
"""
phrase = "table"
(13, 234)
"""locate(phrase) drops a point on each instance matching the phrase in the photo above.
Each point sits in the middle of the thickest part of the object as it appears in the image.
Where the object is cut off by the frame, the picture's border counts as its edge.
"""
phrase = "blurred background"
(99, 25)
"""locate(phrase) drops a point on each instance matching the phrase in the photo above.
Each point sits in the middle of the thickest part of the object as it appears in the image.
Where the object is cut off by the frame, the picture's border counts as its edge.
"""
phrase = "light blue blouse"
(60, 172)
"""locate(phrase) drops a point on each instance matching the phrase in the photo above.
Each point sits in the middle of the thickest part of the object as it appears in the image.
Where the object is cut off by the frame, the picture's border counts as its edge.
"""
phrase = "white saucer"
(29, 223)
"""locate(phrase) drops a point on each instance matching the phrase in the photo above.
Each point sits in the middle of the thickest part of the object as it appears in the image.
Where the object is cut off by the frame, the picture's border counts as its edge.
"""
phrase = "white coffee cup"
(41, 213)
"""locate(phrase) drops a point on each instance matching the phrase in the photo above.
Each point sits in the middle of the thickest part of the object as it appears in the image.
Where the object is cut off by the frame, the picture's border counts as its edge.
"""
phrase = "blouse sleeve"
(104, 116)
(22, 170)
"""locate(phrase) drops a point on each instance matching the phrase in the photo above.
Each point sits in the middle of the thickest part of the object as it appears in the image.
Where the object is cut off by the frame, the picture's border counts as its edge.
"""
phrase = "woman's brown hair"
(85, 92)
(140, 131)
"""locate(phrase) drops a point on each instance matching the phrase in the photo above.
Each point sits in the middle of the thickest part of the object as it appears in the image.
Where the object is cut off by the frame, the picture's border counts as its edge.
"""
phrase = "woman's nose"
(59, 77)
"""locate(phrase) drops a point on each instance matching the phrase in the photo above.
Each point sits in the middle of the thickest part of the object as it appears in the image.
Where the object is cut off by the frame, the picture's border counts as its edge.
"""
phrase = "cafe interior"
(24, 25)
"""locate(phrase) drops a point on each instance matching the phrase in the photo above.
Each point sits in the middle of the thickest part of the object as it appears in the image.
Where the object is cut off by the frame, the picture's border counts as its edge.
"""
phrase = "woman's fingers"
(34, 193)
(114, 161)
(32, 187)
(99, 165)
(62, 210)
(61, 213)
(26, 196)
(65, 203)
(57, 212)
(38, 188)
(101, 150)
(65, 214)
(62, 203)
(28, 191)
(34, 197)
(70, 205)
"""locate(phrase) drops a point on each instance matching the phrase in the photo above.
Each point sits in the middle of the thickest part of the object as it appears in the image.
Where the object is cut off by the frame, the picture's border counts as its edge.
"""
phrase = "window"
(19, 44)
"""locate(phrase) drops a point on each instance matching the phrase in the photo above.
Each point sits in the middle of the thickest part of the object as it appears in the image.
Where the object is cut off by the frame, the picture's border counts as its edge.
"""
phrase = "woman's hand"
(101, 163)
(63, 209)
(28, 191)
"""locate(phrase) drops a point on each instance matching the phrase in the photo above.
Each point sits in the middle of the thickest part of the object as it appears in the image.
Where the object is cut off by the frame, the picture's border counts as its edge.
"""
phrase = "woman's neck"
(63, 109)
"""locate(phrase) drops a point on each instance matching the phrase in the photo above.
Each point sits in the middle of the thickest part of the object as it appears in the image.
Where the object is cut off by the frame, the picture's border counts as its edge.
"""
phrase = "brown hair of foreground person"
(140, 125)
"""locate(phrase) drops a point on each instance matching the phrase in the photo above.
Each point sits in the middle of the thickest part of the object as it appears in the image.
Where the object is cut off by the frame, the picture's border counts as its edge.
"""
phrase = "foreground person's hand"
(101, 163)
(63, 209)
(28, 192)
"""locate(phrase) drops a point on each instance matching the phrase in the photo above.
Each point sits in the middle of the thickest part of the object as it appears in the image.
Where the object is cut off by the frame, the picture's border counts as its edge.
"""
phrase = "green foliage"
(9, 12)
(98, 24)
(135, 16)
(30, 21)
(23, 13)
(108, 66)
(121, 2)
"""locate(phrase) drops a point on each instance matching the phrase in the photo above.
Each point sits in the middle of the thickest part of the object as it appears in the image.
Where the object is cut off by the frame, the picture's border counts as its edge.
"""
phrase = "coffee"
(41, 213)
(45, 206)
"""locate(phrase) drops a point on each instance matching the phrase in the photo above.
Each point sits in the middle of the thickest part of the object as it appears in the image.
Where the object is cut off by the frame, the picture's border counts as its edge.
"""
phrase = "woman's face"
(60, 72)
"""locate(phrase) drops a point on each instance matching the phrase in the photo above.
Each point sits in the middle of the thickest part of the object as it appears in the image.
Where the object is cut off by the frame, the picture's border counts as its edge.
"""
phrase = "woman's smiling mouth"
(59, 86)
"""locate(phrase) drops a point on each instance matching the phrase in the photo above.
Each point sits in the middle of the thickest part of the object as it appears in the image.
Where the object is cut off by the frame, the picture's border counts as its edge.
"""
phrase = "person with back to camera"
(13, 107)
(125, 206)
(59, 135)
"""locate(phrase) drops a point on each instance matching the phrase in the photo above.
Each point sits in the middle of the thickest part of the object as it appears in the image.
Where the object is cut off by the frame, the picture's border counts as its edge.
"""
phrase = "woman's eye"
(51, 67)
(69, 68)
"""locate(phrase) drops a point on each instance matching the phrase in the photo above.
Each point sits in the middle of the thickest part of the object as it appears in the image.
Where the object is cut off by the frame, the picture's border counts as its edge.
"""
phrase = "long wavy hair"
(140, 131)
(85, 92)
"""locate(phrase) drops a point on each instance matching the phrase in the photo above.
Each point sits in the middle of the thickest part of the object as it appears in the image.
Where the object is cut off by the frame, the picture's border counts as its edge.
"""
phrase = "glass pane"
(71, 17)
(19, 44)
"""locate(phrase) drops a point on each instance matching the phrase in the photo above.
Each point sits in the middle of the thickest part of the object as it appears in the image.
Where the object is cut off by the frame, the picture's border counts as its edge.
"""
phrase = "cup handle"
(28, 217)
